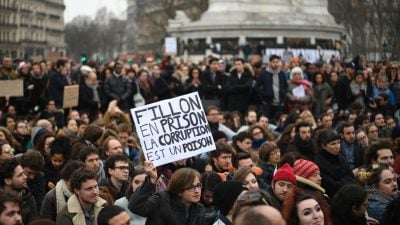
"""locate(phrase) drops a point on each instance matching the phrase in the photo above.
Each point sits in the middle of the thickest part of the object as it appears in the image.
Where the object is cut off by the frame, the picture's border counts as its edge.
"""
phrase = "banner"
(173, 129)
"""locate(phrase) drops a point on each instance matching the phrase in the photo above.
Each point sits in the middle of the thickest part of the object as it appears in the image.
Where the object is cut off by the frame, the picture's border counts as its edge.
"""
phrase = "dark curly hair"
(7, 167)
(80, 176)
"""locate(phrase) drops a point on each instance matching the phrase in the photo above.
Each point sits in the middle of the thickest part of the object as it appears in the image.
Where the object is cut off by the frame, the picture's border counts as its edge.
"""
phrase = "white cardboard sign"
(173, 129)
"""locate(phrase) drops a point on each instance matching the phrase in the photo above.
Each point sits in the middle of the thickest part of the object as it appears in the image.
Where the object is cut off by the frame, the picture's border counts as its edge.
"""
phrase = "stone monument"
(277, 23)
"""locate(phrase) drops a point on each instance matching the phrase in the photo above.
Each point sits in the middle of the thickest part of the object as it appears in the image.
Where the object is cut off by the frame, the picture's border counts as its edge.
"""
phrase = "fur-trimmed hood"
(309, 183)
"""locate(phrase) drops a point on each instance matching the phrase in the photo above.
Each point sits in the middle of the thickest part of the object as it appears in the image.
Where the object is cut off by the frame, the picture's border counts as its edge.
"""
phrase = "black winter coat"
(164, 208)
(335, 172)
(265, 86)
(238, 91)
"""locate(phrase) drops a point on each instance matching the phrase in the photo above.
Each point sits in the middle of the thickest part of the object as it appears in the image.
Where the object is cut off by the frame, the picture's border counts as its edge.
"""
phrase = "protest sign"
(71, 96)
(12, 88)
(173, 129)
(171, 46)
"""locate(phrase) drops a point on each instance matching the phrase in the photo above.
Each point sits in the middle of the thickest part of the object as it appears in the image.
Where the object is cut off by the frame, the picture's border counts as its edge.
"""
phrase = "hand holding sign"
(150, 170)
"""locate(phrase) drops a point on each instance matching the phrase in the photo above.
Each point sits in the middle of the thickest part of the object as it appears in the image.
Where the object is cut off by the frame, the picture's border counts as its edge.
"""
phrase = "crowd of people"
(296, 143)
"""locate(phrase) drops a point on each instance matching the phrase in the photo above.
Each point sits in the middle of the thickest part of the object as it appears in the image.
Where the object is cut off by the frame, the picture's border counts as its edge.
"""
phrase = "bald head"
(260, 215)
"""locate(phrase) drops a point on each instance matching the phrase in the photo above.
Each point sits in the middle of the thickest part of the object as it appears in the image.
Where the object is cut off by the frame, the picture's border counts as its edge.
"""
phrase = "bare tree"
(103, 35)
(372, 25)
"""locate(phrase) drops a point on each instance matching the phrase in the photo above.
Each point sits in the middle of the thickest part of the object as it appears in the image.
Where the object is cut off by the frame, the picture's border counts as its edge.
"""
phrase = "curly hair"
(80, 176)
(33, 160)
(7, 169)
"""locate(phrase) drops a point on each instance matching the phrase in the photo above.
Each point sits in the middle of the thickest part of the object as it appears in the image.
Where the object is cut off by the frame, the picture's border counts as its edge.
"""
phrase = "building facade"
(30, 28)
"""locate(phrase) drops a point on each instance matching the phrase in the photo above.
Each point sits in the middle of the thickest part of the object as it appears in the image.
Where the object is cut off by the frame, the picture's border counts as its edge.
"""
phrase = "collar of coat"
(75, 207)
(310, 183)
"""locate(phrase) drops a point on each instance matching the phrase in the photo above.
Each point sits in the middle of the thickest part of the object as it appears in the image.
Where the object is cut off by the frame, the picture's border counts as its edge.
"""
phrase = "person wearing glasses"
(7, 152)
(138, 176)
(179, 204)
(117, 174)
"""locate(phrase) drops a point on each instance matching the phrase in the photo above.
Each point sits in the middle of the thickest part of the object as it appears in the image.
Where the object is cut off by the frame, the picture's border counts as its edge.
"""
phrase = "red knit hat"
(285, 173)
(305, 168)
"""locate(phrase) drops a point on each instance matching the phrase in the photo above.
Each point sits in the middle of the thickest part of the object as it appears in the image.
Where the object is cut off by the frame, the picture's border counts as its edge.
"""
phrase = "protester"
(138, 177)
(10, 210)
(303, 209)
(84, 204)
(112, 215)
(56, 199)
(282, 185)
(382, 189)
(178, 205)
(335, 171)
(357, 107)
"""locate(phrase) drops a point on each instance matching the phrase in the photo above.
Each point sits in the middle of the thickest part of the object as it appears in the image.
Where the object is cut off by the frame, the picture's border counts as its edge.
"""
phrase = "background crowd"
(296, 143)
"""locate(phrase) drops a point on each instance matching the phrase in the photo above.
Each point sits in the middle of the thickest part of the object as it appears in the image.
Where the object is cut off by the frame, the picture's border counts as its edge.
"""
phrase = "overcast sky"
(90, 7)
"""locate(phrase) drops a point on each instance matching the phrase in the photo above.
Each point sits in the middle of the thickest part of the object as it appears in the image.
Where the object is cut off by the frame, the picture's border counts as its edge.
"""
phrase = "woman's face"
(22, 128)
(334, 77)
(137, 181)
(388, 183)
(108, 73)
(251, 182)
(372, 78)
(2, 136)
(192, 194)
(316, 178)
(257, 134)
(7, 152)
(332, 147)
(275, 156)
(310, 213)
(196, 73)
(318, 79)
(296, 76)
(143, 77)
(72, 125)
(57, 160)
(359, 79)
(359, 211)
(47, 143)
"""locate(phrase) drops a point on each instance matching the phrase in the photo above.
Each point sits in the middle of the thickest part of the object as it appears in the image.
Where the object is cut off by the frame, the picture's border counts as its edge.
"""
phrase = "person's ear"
(8, 181)
(110, 171)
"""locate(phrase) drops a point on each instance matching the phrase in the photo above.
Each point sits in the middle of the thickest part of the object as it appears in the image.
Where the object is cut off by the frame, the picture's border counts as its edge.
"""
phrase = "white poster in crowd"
(173, 129)
(171, 45)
